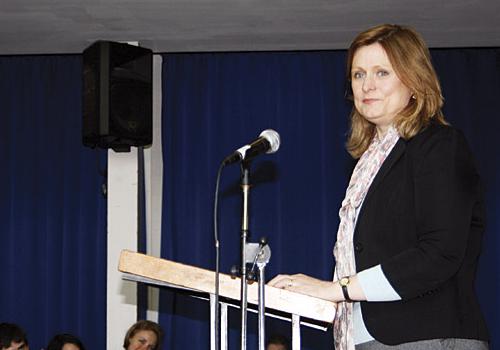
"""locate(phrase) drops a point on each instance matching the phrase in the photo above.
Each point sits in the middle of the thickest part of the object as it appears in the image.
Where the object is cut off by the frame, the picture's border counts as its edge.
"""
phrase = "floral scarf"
(361, 179)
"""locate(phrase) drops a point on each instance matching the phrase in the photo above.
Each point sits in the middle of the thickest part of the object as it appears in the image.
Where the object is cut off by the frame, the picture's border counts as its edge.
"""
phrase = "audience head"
(65, 342)
(143, 335)
(12, 337)
(277, 342)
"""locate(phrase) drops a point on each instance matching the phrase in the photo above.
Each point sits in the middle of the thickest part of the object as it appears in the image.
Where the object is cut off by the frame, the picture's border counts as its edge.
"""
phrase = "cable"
(217, 255)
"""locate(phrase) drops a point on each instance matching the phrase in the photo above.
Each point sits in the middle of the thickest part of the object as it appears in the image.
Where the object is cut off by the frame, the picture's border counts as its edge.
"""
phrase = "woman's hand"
(314, 287)
(308, 285)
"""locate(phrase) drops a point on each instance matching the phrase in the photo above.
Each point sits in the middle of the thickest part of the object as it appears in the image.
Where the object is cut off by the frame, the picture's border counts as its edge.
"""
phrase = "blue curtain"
(215, 103)
(53, 213)
(471, 87)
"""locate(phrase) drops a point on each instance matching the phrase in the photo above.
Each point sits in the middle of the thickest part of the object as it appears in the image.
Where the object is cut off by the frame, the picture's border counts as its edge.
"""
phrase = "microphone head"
(273, 138)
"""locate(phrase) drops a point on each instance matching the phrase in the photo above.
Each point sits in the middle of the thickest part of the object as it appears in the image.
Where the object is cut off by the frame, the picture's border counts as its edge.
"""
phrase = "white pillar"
(153, 163)
(122, 234)
(122, 222)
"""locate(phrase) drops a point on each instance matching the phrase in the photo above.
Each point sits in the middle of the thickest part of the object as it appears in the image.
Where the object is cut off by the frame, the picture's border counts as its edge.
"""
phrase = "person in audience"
(65, 342)
(12, 337)
(277, 342)
(143, 335)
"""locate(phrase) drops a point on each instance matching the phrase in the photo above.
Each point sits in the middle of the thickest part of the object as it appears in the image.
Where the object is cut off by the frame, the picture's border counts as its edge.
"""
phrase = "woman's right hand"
(308, 285)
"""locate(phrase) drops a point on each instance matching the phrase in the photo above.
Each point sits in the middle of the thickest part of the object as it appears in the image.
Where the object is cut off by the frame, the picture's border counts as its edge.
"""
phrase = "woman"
(143, 335)
(65, 342)
(412, 220)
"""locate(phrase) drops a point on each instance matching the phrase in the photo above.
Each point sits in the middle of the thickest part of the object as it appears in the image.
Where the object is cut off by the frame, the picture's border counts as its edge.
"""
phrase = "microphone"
(267, 142)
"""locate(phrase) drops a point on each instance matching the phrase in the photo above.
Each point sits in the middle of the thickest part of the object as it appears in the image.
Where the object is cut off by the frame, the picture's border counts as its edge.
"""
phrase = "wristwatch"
(344, 282)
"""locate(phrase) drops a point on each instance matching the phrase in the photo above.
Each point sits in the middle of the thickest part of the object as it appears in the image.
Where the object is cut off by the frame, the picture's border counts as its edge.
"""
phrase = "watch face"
(344, 281)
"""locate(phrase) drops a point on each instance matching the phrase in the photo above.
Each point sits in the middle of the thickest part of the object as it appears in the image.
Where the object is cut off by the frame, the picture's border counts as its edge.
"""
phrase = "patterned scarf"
(361, 179)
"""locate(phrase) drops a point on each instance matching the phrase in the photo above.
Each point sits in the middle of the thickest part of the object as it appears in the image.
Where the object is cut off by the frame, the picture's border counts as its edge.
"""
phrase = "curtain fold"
(53, 214)
(215, 103)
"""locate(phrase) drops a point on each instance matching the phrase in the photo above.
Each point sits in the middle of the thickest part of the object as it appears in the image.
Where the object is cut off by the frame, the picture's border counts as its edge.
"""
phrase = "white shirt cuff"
(376, 286)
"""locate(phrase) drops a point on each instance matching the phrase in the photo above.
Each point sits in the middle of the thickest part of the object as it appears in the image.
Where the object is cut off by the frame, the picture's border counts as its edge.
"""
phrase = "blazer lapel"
(392, 158)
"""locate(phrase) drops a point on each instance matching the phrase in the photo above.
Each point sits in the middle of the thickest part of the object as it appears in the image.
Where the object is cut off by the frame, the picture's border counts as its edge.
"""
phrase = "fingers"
(281, 281)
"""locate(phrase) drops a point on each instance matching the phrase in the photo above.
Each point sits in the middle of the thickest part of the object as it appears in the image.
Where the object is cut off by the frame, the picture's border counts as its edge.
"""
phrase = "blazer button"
(358, 247)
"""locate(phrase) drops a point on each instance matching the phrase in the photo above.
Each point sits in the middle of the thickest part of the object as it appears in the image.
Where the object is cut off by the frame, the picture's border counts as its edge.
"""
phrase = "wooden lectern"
(160, 272)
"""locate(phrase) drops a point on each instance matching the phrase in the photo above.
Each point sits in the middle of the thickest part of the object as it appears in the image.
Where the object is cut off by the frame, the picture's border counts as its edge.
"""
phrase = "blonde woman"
(412, 219)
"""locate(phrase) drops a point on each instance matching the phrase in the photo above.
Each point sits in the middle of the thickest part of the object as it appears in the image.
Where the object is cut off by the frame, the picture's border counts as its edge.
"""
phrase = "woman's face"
(143, 340)
(379, 95)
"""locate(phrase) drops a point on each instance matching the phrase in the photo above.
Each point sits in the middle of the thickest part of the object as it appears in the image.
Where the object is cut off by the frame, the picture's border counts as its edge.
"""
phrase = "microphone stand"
(268, 142)
(259, 254)
(262, 254)
(245, 186)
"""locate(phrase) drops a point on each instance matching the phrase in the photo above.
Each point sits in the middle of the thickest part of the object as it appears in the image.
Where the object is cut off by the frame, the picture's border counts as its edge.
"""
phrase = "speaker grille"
(117, 96)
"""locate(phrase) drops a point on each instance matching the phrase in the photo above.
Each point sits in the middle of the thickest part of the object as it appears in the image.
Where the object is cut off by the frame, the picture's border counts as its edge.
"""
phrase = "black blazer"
(422, 220)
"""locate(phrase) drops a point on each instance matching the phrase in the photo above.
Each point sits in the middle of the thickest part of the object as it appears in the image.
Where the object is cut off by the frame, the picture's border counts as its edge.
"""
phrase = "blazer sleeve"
(446, 187)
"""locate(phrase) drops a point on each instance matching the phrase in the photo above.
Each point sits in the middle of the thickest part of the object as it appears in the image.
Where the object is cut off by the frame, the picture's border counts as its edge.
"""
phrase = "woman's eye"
(382, 73)
(357, 75)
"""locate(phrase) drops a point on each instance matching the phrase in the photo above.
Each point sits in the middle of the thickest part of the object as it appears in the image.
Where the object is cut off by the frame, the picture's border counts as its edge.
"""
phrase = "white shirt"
(376, 287)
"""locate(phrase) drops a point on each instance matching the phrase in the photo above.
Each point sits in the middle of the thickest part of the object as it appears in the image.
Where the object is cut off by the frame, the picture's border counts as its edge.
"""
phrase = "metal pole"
(213, 305)
(245, 186)
(223, 321)
(295, 332)
(262, 308)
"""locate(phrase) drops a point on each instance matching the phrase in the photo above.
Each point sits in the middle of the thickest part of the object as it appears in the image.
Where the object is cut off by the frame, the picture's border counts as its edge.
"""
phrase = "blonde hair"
(411, 61)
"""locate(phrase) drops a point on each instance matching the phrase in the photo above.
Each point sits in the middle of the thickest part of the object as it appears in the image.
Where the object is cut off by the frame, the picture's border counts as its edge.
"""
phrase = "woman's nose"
(368, 83)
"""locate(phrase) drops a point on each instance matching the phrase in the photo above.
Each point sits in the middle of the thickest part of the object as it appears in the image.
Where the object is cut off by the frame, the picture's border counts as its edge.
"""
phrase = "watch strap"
(345, 292)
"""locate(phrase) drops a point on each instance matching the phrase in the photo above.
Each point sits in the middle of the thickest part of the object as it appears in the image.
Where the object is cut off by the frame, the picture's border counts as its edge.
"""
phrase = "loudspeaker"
(117, 96)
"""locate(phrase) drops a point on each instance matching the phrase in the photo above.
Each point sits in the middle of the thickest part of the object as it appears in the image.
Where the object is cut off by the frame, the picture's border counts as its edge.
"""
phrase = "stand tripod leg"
(295, 332)
(213, 345)
(262, 308)
(223, 323)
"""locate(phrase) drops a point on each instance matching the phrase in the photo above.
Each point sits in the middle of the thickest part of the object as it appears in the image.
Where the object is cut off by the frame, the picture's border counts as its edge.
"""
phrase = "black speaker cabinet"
(117, 96)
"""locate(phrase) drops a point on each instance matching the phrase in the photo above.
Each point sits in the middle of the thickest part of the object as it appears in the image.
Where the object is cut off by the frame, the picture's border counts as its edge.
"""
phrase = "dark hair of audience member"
(9, 333)
(278, 339)
(60, 340)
